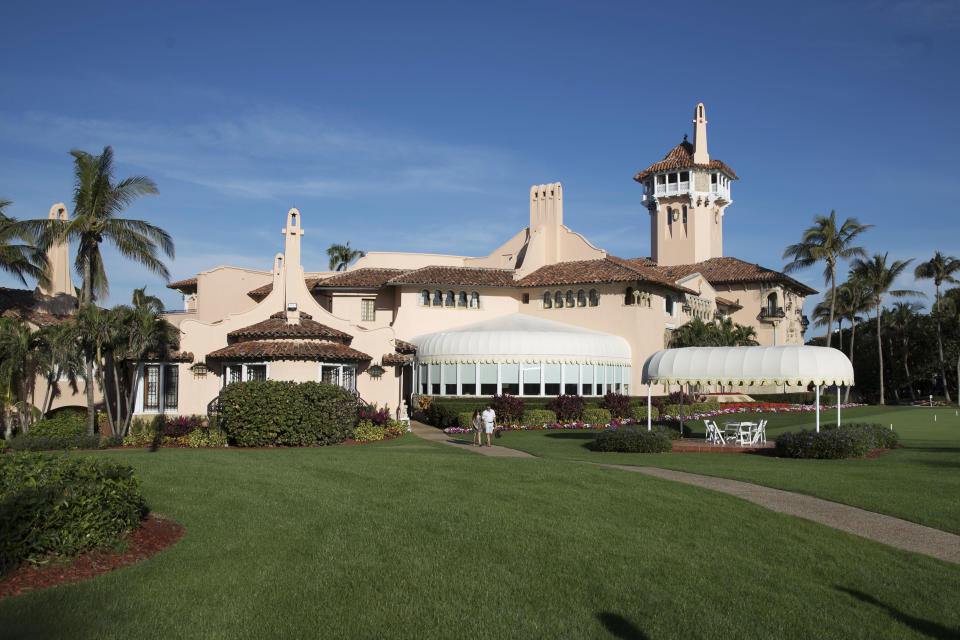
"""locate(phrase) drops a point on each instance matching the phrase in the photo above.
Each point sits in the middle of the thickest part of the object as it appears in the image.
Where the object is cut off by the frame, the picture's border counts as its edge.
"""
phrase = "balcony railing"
(772, 313)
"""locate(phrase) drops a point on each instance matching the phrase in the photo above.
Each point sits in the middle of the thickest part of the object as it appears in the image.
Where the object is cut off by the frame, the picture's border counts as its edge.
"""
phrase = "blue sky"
(418, 127)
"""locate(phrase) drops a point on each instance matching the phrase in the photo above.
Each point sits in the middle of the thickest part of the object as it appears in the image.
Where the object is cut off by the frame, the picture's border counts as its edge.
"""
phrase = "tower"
(58, 257)
(546, 222)
(289, 269)
(686, 195)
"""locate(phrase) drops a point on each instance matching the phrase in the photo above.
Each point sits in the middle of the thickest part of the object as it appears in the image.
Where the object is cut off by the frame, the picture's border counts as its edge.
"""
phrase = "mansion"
(545, 313)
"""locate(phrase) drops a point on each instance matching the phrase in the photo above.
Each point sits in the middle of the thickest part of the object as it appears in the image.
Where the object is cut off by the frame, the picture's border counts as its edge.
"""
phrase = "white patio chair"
(745, 433)
(714, 435)
(760, 433)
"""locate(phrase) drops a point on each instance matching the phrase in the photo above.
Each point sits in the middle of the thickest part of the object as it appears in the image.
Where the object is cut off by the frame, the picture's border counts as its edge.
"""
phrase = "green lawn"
(919, 482)
(415, 539)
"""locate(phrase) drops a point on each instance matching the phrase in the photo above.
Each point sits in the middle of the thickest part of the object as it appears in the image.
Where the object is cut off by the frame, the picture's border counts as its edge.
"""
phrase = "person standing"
(489, 418)
(477, 428)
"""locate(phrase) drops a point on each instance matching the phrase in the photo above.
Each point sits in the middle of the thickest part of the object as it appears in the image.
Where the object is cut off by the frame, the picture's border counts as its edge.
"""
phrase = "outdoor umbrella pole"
(818, 408)
(838, 405)
(648, 406)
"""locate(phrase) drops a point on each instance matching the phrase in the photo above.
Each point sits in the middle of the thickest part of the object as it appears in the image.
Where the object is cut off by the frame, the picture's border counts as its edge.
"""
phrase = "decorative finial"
(684, 137)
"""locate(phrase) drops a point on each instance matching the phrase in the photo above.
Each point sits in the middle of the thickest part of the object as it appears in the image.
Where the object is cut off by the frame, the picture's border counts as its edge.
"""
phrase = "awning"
(791, 364)
(522, 338)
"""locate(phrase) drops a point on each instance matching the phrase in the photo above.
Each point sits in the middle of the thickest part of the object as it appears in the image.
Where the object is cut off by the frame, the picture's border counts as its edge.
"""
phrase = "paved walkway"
(465, 441)
(866, 524)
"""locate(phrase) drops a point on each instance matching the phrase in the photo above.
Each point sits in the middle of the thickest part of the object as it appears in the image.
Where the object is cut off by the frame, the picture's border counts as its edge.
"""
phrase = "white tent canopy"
(791, 364)
(522, 338)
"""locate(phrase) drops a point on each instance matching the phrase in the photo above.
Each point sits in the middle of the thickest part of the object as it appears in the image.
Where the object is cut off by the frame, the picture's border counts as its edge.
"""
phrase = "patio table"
(731, 430)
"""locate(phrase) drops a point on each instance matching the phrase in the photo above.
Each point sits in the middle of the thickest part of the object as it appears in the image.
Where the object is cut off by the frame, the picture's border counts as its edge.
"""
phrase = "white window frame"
(243, 371)
(161, 408)
(340, 366)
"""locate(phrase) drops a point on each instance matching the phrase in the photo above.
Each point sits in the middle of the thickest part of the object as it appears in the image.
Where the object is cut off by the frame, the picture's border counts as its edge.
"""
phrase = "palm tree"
(17, 351)
(940, 269)
(141, 300)
(58, 356)
(902, 319)
(877, 277)
(19, 254)
(341, 255)
(852, 299)
(825, 242)
(98, 203)
(821, 316)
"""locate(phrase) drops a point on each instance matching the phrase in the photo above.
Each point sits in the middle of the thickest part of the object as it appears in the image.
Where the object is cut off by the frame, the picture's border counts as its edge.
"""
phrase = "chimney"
(58, 256)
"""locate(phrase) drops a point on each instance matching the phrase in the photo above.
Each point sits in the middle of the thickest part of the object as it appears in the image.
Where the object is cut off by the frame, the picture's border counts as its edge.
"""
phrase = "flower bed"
(542, 427)
(802, 408)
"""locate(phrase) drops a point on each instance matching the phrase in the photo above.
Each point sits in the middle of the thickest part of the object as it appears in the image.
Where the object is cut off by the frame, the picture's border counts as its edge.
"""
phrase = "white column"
(818, 408)
(499, 391)
(542, 377)
(648, 406)
(838, 405)
(459, 390)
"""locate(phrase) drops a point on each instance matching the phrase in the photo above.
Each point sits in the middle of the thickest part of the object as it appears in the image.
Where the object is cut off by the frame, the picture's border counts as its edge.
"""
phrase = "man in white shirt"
(489, 419)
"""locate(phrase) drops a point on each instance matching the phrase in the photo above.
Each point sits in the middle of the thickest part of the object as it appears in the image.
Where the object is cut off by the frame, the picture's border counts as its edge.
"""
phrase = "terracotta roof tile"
(603, 270)
(186, 286)
(289, 350)
(728, 303)
(394, 359)
(361, 278)
(681, 157)
(402, 346)
(260, 293)
(458, 276)
(172, 356)
(36, 318)
(278, 328)
(23, 303)
(725, 271)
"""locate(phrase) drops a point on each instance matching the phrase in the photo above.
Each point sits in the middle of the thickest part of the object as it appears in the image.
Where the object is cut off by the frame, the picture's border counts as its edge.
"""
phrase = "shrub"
(53, 504)
(111, 441)
(618, 405)
(639, 413)
(847, 441)
(205, 438)
(702, 407)
(367, 431)
(567, 408)
(632, 440)
(674, 398)
(3, 444)
(276, 413)
(594, 415)
(803, 397)
(180, 426)
(444, 414)
(465, 419)
(509, 408)
(538, 417)
(395, 429)
(140, 438)
(23, 442)
(65, 424)
(377, 416)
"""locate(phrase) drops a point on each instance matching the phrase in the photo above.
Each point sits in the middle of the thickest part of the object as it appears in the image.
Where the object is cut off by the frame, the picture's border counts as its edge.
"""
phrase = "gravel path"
(866, 524)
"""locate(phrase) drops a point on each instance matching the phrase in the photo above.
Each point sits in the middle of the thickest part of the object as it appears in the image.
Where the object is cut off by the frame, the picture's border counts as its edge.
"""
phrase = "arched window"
(462, 299)
(425, 298)
(684, 214)
(450, 301)
(547, 300)
(771, 304)
(438, 298)
(628, 296)
(594, 298)
(558, 300)
(474, 300)
(581, 298)
(570, 303)
(669, 216)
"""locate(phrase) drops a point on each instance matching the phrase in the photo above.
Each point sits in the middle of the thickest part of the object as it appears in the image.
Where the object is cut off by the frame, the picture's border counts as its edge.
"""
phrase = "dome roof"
(791, 364)
(522, 338)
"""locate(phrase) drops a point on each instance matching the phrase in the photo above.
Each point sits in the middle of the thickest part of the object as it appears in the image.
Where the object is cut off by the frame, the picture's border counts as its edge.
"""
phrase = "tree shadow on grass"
(620, 627)
(927, 627)
(572, 435)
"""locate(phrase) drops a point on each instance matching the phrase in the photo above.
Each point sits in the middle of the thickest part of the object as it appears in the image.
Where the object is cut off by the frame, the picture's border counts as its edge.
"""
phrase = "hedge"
(831, 443)
(630, 440)
(277, 413)
(802, 397)
(639, 412)
(65, 424)
(568, 408)
(366, 431)
(538, 417)
(690, 409)
(595, 415)
(52, 504)
(444, 411)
